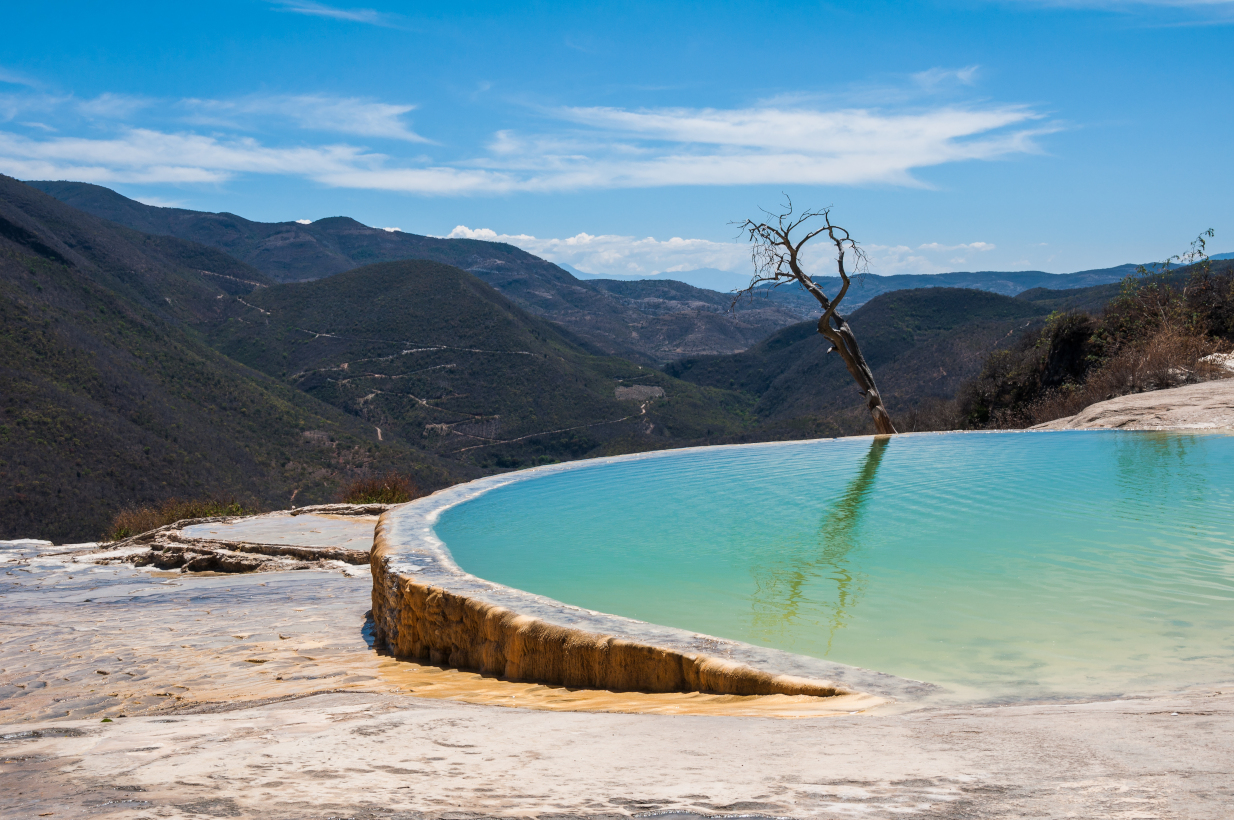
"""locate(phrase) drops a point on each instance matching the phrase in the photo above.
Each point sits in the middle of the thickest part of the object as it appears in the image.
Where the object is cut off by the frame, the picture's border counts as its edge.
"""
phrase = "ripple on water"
(999, 565)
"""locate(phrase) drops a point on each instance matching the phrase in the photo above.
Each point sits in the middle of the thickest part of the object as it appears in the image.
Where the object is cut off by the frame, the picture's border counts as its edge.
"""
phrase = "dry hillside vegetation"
(110, 396)
(134, 520)
(1160, 331)
(391, 488)
(649, 322)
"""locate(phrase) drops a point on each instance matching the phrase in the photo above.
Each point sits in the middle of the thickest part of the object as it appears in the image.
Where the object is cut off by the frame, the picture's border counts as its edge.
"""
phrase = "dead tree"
(777, 261)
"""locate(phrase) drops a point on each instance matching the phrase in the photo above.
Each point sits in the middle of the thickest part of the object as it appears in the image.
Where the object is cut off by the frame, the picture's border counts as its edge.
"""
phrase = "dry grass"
(930, 415)
(136, 520)
(391, 488)
(1169, 358)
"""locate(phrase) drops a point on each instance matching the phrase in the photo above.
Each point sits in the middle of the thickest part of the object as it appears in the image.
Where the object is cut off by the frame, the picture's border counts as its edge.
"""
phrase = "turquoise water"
(1004, 565)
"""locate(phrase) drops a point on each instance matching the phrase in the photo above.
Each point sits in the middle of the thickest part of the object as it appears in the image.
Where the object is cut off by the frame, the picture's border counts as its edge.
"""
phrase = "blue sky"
(624, 138)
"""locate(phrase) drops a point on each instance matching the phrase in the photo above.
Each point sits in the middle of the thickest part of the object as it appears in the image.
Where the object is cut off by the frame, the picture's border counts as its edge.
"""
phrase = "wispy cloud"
(113, 106)
(954, 254)
(16, 78)
(1155, 12)
(14, 105)
(1176, 4)
(160, 202)
(102, 107)
(142, 155)
(574, 149)
(615, 255)
(370, 16)
(619, 148)
(315, 112)
(971, 246)
(773, 145)
(621, 255)
(935, 78)
(310, 112)
(930, 257)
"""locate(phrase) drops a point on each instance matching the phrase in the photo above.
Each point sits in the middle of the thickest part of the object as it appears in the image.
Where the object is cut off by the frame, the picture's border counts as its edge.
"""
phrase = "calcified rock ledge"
(1203, 406)
(426, 608)
(173, 547)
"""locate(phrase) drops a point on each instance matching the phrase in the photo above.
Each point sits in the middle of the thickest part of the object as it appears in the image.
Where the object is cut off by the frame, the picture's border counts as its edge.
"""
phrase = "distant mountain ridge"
(693, 324)
(136, 366)
(652, 320)
(110, 397)
(921, 344)
(432, 356)
(1007, 283)
(867, 286)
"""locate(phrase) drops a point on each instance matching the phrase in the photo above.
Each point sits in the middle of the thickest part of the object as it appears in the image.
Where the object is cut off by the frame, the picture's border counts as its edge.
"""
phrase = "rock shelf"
(426, 608)
(1203, 406)
(231, 545)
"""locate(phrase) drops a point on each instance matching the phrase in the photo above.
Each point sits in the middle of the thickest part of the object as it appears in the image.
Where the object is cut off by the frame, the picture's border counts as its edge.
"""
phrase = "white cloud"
(16, 78)
(113, 106)
(619, 148)
(13, 105)
(437, 180)
(369, 16)
(304, 222)
(1167, 12)
(315, 112)
(312, 112)
(769, 145)
(935, 78)
(621, 255)
(584, 148)
(930, 257)
(393, 230)
(142, 155)
(614, 255)
(159, 202)
(1181, 4)
(971, 246)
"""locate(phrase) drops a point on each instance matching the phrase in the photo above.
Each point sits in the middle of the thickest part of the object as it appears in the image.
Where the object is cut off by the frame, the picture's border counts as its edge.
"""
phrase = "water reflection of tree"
(1157, 471)
(780, 597)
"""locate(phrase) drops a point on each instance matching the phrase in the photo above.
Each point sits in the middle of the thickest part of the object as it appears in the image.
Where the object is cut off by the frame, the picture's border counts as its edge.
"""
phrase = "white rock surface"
(258, 696)
(362, 755)
(1204, 406)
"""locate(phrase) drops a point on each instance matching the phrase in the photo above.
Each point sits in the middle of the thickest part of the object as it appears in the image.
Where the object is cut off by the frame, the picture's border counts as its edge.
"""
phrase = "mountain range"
(921, 345)
(138, 367)
(430, 355)
(109, 396)
(652, 325)
(147, 354)
(866, 286)
(651, 321)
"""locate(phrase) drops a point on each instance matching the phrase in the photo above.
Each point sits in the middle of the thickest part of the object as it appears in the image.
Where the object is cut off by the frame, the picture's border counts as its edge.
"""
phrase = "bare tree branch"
(777, 261)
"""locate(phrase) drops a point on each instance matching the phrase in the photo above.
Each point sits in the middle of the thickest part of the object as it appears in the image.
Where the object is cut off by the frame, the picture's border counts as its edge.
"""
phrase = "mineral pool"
(1001, 566)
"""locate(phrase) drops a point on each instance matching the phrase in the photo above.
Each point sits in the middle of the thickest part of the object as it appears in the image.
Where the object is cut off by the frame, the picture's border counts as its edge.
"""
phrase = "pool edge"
(426, 607)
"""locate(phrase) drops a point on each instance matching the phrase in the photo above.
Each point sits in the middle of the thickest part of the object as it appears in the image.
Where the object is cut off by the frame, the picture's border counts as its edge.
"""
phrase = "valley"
(157, 352)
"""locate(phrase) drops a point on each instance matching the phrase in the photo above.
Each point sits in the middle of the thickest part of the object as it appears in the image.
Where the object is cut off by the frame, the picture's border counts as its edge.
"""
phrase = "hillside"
(142, 366)
(110, 399)
(435, 357)
(652, 321)
(291, 251)
(922, 344)
(1008, 283)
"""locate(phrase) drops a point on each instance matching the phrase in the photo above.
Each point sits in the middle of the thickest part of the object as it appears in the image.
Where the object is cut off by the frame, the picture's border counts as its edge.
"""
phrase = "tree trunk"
(845, 343)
